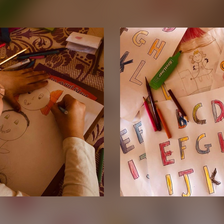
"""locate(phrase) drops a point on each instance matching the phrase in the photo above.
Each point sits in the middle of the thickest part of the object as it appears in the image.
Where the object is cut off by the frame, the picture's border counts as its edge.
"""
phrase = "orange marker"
(163, 123)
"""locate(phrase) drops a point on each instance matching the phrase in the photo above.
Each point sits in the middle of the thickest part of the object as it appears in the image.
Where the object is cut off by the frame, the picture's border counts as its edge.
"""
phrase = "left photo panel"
(52, 111)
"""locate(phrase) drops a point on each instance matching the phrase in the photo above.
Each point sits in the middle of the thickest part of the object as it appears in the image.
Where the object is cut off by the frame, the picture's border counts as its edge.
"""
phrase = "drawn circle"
(35, 100)
(12, 125)
(222, 65)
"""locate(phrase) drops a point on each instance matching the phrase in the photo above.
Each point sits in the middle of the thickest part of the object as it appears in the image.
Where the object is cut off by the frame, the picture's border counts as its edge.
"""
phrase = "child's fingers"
(12, 101)
(26, 70)
(38, 78)
(33, 86)
(56, 112)
(34, 73)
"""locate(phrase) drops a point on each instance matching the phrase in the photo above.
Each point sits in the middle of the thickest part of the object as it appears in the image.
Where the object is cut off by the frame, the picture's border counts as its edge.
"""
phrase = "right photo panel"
(171, 111)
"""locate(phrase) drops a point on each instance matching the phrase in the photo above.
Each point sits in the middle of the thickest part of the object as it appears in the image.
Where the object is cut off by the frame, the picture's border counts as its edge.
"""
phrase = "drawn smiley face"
(35, 100)
(12, 125)
(197, 57)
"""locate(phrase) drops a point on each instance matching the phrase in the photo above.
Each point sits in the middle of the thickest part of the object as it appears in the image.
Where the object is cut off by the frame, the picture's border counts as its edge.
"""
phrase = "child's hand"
(71, 124)
(21, 81)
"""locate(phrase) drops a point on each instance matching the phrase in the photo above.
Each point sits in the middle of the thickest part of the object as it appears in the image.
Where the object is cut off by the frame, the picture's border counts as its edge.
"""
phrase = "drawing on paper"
(41, 99)
(200, 61)
(199, 79)
(12, 126)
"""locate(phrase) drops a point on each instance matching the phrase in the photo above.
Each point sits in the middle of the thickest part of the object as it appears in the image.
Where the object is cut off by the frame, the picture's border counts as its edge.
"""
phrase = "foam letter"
(195, 114)
(187, 181)
(141, 41)
(138, 132)
(182, 147)
(156, 48)
(123, 143)
(165, 154)
(207, 146)
(221, 116)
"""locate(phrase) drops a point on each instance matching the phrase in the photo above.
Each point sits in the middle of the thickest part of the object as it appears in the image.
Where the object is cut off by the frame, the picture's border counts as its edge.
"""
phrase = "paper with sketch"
(220, 66)
(183, 165)
(143, 51)
(196, 70)
(30, 141)
(134, 178)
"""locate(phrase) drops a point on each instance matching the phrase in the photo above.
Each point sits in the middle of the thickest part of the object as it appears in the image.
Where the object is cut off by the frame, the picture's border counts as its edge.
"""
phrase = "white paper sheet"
(199, 151)
(134, 177)
(196, 70)
(31, 143)
(149, 48)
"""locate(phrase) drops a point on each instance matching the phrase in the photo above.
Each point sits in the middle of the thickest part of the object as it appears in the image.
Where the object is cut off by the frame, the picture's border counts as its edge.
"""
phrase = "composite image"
(171, 111)
(52, 111)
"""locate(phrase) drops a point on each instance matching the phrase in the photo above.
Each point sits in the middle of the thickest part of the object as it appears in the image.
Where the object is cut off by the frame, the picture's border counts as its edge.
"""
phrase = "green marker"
(165, 71)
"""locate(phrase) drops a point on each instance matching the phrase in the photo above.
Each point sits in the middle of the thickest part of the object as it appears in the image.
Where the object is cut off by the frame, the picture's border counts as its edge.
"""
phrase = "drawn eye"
(41, 96)
(16, 122)
(7, 116)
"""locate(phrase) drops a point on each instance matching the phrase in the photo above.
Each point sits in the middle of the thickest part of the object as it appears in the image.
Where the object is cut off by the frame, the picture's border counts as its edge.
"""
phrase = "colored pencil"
(157, 120)
(37, 57)
(38, 54)
(13, 56)
(150, 115)
(163, 123)
(177, 104)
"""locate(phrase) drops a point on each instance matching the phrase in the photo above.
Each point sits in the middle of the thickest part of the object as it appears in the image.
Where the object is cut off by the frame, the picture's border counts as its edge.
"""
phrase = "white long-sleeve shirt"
(80, 170)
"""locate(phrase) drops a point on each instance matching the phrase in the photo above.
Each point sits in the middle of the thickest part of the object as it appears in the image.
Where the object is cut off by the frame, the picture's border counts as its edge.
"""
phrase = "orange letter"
(157, 49)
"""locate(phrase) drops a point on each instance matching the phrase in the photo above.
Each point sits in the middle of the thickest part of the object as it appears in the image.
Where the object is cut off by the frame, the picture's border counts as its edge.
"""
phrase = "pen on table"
(40, 53)
(16, 65)
(150, 115)
(177, 104)
(63, 110)
(157, 120)
(13, 56)
(100, 170)
(163, 123)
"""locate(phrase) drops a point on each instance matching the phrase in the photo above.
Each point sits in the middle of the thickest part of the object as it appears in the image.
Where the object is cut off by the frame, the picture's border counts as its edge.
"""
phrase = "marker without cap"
(63, 110)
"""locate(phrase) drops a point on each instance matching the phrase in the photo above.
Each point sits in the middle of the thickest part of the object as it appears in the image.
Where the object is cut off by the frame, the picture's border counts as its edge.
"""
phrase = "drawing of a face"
(197, 57)
(35, 100)
(12, 125)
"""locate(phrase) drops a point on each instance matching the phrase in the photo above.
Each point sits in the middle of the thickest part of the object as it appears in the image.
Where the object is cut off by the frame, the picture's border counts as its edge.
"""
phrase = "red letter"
(221, 116)
(165, 154)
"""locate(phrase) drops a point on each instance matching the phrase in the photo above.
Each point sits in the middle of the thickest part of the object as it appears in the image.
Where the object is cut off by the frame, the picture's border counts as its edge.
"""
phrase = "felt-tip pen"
(63, 110)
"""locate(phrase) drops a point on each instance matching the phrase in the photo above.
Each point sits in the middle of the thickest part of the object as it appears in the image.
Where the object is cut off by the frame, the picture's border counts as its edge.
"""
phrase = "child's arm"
(80, 167)
(21, 81)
